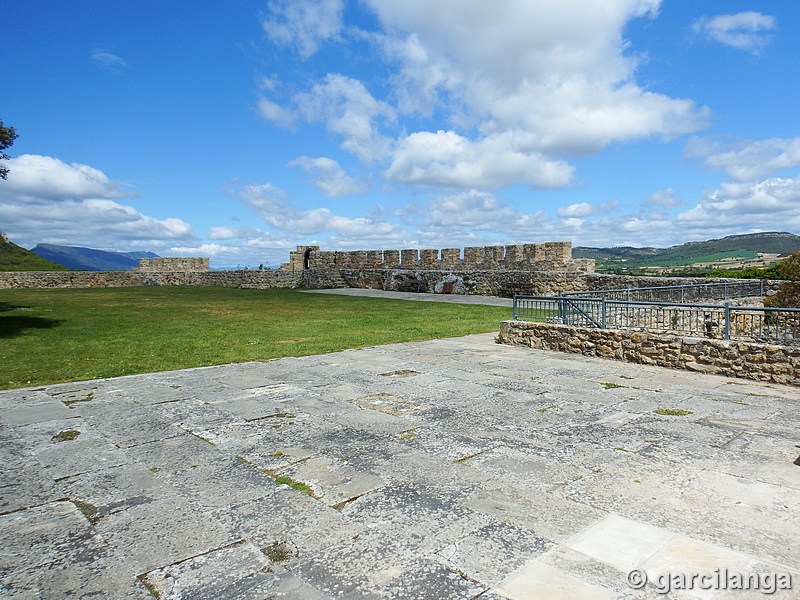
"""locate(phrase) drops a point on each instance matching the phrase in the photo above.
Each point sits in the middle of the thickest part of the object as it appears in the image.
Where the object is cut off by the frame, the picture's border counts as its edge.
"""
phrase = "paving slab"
(454, 468)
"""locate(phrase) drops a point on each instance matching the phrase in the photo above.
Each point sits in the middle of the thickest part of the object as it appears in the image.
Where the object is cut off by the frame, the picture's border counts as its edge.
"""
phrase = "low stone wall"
(494, 282)
(68, 279)
(99, 279)
(761, 362)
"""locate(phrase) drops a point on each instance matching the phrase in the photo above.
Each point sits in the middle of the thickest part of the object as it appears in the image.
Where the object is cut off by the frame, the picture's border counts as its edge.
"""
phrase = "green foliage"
(7, 137)
(770, 272)
(49, 336)
(16, 258)
(789, 294)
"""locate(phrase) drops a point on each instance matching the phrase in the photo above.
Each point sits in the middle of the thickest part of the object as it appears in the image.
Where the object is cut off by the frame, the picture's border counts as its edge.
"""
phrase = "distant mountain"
(731, 252)
(88, 259)
(17, 258)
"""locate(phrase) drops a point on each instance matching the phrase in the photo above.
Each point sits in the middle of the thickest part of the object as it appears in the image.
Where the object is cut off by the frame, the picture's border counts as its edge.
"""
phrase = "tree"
(7, 137)
(789, 294)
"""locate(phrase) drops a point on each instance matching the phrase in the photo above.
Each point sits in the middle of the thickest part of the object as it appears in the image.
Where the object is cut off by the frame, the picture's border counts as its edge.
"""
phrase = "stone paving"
(419, 296)
(449, 469)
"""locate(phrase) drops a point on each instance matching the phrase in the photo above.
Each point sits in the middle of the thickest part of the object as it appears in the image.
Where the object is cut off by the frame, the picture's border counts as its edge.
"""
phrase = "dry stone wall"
(761, 362)
(100, 279)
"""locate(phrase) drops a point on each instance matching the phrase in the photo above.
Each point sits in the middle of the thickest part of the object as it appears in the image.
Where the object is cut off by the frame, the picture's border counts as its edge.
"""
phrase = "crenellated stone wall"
(550, 256)
(173, 264)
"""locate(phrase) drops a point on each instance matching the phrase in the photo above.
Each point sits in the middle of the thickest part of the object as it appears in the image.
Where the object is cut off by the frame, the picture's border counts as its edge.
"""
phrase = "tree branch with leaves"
(7, 137)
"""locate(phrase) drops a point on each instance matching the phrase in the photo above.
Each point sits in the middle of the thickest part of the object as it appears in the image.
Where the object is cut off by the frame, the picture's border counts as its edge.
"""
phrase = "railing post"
(603, 313)
(514, 305)
(727, 321)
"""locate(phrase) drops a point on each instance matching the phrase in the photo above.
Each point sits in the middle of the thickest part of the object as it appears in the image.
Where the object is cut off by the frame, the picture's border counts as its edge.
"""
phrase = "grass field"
(51, 336)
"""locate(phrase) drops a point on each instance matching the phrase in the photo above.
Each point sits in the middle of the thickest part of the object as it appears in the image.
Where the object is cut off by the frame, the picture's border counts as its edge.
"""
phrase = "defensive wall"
(536, 269)
(177, 265)
(550, 256)
(748, 360)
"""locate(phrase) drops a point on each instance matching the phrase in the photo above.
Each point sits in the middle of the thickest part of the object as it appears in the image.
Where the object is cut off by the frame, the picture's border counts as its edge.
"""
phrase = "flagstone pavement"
(449, 469)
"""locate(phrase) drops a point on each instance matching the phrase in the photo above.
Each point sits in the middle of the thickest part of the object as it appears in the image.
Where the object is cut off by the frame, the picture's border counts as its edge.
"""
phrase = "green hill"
(17, 258)
(734, 252)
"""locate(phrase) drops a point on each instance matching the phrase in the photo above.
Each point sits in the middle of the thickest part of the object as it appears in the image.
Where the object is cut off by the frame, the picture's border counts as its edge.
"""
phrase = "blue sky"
(240, 129)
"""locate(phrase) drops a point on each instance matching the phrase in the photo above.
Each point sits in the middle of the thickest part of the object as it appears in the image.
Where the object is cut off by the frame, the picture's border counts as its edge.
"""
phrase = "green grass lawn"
(50, 336)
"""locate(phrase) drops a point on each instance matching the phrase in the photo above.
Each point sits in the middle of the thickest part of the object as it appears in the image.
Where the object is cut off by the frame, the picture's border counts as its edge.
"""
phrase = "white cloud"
(46, 200)
(523, 86)
(329, 177)
(303, 24)
(773, 203)
(448, 159)
(279, 115)
(474, 209)
(108, 60)
(271, 205)
(350, 110)
(747, 161)
(744, 30)
(48, 177)
(667, 198)
(92, 222)
(585, 209)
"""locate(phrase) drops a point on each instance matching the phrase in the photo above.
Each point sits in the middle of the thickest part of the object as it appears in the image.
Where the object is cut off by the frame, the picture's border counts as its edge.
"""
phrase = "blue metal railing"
(724, 290)
(720, 321)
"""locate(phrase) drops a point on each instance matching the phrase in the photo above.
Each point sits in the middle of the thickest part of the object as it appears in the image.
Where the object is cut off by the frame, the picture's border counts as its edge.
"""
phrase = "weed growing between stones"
(280, 552)
(672, 412)
(610, 386)
(65, 436)
(89, 511)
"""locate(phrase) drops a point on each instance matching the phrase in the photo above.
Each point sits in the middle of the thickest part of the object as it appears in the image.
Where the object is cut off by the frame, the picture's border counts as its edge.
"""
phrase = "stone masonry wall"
(761, 362)
(173, 264)
(100, 279)
(497, 282)
(550, 256)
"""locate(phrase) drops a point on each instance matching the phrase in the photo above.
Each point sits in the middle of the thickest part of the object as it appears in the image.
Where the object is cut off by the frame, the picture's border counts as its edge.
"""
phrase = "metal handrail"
(729, 290)
(702, 320)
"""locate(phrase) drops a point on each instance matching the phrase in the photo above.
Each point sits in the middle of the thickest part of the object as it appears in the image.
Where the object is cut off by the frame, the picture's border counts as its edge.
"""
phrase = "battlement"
(550, 256)
(172, 264)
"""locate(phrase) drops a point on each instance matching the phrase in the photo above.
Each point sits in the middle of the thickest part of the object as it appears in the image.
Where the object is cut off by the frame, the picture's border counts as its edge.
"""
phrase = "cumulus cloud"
(48, 177)
(585, 209)
(303, 24)
(523, 85)
(48, 200)
(474, 209)
(329, 177)
(744, 31)
(351, 111)
(448, 159)
(747, 160)
(771, 203)
(667, 198)
(271, 111)
(271, 204)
